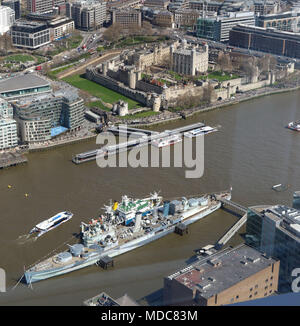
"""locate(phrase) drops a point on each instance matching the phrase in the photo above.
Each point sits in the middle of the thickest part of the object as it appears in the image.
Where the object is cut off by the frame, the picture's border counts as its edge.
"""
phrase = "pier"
(11, 159)
(237, 208)
(143, 138)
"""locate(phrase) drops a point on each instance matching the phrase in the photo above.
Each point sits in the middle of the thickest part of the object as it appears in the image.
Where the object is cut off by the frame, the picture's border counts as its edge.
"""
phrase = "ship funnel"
(138, 219)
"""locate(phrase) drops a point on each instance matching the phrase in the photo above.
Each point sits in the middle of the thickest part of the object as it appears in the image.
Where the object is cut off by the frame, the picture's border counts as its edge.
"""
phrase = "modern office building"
(23, 85)
(14, 5)
(8, 133)
(190, 59)
(218, 28)
(127, 17)
(205, 6)
(45, 116)
(286, 21)
(275, 231)
(7, 19)
(87, 14)
(60, 27)
(30, 34)
(267, 40)
(8, 126)
(40, 6)
(230, 276)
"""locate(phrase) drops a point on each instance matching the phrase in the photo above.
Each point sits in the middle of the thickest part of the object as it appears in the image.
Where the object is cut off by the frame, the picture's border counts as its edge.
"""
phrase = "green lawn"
(140, 115)
(218, 75)
(19, 58)
(98, 104)
(100, 91)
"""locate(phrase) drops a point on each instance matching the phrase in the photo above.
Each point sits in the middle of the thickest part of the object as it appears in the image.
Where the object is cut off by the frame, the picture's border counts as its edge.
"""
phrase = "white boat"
(51, 223)
(166, 141)
(200, 131)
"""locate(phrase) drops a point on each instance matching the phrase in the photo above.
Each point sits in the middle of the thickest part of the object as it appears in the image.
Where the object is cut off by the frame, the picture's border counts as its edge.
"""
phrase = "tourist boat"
(166, 141)
(200, 131)
(294, 125)
(51, 223)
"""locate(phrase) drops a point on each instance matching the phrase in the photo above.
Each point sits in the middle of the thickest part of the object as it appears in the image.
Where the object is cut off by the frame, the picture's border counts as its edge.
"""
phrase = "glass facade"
(207, 28)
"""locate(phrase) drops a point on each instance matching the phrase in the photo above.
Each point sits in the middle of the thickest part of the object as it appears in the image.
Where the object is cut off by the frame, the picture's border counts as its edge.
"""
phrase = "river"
(252, 151)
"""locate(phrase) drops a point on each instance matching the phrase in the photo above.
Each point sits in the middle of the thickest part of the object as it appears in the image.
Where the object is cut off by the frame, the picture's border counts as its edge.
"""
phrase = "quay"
(142, 140)
(236, 208)
(12, 159)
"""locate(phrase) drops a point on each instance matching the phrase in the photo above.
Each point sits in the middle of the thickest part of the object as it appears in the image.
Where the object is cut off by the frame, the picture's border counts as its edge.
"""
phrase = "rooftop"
(222, 270)
(20, 82)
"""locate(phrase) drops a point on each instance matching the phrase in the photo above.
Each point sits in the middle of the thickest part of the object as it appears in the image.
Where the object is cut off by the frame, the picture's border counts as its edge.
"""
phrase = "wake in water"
(26, 238)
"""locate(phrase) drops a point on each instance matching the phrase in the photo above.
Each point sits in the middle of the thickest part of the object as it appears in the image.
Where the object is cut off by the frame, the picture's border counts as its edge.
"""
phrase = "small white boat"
(280, 187)
(51, 223)
(200, 131)
(294, 125)
(167, 141)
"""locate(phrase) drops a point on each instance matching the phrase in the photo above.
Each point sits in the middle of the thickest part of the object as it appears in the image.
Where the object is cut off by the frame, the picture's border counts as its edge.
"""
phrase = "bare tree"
(146, 28)
(208, 93)
(113, 33)
(224, 61)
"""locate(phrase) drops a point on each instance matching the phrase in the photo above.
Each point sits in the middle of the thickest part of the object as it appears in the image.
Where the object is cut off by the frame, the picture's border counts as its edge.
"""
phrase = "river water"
(251, 152)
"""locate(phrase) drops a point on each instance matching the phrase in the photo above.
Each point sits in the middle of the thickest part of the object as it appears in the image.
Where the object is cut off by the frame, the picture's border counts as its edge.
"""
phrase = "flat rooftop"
(220, 271)
(22, 82)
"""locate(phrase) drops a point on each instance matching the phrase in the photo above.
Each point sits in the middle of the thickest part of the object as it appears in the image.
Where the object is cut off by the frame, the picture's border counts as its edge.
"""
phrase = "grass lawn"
(100, 91)
(140, 115)
(19, 58)
(218, 75)
(97, 104)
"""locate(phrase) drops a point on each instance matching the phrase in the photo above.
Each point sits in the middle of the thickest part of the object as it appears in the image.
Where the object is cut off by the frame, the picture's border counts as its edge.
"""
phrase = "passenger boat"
(294, 125)
(51, 223)
(166, 141)
(200, 131)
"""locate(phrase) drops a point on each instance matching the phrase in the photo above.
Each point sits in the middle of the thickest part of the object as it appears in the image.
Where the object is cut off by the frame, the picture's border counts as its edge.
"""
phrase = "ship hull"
(31, 276)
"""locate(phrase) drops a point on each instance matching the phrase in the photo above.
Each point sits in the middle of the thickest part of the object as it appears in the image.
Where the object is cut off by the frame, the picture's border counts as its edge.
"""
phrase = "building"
(123, 4)
(178, 5)
(45, 116)
(218, 28)
(59, 7)
(23, 85)
(60, 27)
(104, 299)
(127, 17)
(40, 6)
(264, 7)
(87, 14)
(29, 34)
(275, 230)
(186, 17)
(8, 126)
(267, 40)
(14, 5)
(286, 21)
(190, 60)
(157, 4)
(8, 133)
(230, 276)
(205, 6)
(7, 19)
(163, 18)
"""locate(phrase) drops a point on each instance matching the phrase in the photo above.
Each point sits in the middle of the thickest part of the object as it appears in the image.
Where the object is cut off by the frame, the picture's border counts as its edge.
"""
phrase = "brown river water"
(252, 151)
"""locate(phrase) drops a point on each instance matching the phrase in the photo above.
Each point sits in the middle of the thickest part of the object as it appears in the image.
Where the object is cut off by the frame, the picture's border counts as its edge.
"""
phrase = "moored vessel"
(123, 227)
(166, 141)
(294, 125)
(200, 131)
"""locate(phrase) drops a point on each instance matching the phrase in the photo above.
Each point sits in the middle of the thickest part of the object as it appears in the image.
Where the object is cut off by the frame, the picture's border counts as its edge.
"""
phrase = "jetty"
(8, 159)
(141, 138)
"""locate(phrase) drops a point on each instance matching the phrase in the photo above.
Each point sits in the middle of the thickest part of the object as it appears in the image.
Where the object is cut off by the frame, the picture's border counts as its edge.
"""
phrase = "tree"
(147, 28)
(208, 93)
(113, 33)
(266, 63)
(224, 62)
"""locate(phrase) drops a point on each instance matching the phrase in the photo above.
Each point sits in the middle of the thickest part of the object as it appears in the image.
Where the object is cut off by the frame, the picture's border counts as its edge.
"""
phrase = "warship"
(123, 227)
